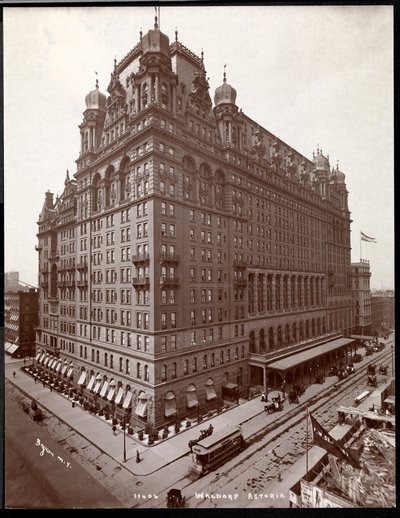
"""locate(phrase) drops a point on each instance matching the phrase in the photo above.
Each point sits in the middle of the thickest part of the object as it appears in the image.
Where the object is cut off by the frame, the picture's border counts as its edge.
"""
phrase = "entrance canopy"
(294, 360)
(361, 337)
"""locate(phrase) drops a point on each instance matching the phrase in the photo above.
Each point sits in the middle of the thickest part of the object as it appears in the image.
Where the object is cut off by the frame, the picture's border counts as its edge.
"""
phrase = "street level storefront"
(303, 367)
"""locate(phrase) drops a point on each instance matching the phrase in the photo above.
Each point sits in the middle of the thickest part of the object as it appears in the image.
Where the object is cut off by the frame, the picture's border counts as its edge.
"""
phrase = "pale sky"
(318, 75)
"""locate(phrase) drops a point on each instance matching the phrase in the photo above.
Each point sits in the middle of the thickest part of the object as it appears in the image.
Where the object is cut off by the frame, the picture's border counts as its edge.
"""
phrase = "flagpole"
(307, 444)
(360, 248)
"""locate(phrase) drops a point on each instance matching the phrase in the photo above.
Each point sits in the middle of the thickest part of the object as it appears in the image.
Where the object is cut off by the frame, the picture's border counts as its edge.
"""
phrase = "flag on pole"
(364, 237)
(322, 438)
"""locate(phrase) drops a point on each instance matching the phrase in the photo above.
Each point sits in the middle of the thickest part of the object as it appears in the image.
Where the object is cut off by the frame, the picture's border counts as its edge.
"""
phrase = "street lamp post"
(124, 425)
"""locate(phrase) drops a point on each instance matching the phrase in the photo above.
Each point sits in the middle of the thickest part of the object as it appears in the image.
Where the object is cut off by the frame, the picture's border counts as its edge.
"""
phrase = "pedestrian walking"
(114, 429)
(13, 374)
(51, 388)
(24, 362)
(137, 457)
(34, 377)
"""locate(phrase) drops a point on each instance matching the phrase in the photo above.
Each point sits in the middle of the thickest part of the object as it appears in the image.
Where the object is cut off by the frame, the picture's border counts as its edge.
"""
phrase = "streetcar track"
(320, 398)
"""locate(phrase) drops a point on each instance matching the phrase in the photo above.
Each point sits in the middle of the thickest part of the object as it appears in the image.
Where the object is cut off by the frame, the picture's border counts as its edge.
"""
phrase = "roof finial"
(97, 80)
(115, 64)
(67, 176)
(202, 55)
(140, 33)
(155, 19)
(337, 165)
(224, 74)
(176, 34)
(317, 149)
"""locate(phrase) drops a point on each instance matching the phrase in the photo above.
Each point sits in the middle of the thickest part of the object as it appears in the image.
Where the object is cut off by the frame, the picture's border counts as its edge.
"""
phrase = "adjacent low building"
(21, 313)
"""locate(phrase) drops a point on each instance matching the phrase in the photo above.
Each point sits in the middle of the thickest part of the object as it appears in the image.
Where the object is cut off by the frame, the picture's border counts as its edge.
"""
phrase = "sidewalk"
(153, 458)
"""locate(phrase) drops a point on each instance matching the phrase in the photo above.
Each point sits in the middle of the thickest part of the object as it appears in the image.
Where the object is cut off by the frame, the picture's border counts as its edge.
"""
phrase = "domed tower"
(339, 180)
(321, 172)
(155, 82)
(93, 119)
(229, 121)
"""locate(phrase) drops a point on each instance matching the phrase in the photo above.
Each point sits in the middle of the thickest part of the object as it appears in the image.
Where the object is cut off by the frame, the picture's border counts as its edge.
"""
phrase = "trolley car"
(215, 450)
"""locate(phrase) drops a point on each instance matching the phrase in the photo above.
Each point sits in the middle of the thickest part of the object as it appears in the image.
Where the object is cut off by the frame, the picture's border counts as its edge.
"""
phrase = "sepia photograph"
(199, 256)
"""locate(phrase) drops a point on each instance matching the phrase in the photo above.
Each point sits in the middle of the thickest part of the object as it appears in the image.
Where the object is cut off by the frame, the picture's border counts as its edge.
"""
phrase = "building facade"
(362, 297)
(190, 247)
(21, 313)
(382, 312)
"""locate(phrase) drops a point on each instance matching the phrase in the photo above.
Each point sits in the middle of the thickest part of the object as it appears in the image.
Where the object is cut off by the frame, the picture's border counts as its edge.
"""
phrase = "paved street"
(40, 473)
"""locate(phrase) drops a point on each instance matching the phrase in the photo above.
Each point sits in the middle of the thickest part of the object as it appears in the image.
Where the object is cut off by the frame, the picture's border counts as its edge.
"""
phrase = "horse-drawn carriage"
(383, 369)
(333, 371)
(299, 389)
(319, 378)
(350, 368)
(372, 381)
(293, 397)
(371, 369)
(357, 358)
(275, 406)
(342, 373)
(175, 499)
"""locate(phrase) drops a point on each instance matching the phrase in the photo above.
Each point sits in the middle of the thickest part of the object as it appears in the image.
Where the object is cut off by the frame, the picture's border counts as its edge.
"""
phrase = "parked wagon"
(372, 381)
(371, 369)
(275, 406)
(319, 378)
(357, 358)
(175, 499)
(293, 397)
(383, 369)
(299, 389)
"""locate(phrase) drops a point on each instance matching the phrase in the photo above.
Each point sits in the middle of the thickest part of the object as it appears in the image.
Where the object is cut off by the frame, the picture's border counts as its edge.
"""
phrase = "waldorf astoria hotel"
(191, 252)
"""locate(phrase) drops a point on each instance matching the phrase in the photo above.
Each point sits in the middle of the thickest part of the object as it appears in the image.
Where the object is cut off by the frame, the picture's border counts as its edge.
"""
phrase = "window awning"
(191, 399)
(7, 345)
(210, 392)
(97, 387)
(141, 408)
(104, 389)
(120, 395)
(70, 372)
(91, 383)
(170, 407)
(58, 366)
(65, 367)
(38, 356)
(128, 400)
(50, 364)
(111, 394)
(12, 348)
(82, 378)
(46, 360)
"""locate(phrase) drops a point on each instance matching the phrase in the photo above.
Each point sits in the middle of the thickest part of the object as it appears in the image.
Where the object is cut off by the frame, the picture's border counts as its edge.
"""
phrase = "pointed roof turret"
(225, 94)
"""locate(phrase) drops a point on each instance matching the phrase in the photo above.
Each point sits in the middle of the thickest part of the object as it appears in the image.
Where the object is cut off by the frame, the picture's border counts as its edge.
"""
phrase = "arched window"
(164, 96)
(146, 373)
(191, 397)
(138, 370)
(164, 373)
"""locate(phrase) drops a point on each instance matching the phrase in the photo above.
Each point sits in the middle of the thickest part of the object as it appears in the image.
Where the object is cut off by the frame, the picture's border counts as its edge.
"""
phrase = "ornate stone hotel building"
(190, 250)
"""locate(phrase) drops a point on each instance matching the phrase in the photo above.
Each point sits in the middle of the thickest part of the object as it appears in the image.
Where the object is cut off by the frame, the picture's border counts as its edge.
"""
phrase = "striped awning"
(46, 360)
(120, 395)
(111, 393)
(104, 389)
(128, 400)
(70, 372)
(141, 407)
(58, 366)
(82, 378)
(38, 356)
(91, 383)
(63, 370)
(96, 389)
